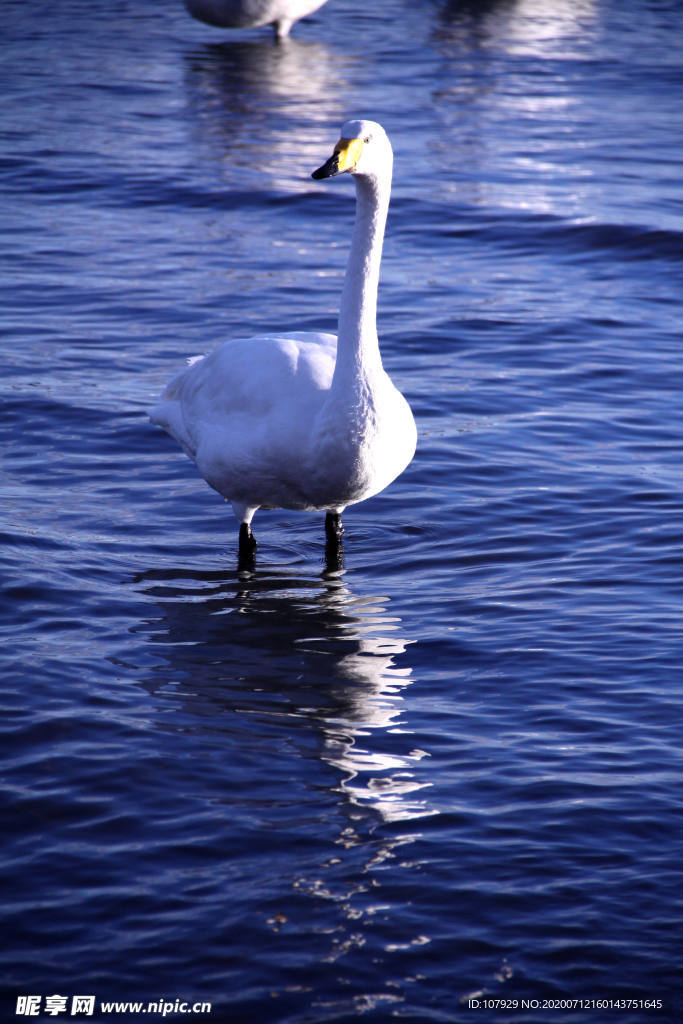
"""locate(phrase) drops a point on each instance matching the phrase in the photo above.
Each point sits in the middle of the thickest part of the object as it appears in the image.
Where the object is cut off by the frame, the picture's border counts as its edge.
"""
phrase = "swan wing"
(244, 412)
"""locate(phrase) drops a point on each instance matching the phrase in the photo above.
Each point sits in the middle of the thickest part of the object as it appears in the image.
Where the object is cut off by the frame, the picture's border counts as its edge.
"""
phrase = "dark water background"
(453, 767)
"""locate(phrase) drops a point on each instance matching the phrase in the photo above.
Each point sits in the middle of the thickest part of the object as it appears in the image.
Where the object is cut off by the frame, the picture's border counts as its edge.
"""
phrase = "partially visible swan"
(253, 13)
(303, 420)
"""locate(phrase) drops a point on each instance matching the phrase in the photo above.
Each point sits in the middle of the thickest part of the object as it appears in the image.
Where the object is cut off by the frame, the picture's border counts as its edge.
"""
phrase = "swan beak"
(344, 158)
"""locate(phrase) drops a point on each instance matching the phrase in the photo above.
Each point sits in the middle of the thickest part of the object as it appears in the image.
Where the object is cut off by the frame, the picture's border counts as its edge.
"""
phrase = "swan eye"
(366, 139)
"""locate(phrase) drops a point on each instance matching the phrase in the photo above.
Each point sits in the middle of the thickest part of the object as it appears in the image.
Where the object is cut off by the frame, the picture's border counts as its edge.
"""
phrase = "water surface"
(450, 768)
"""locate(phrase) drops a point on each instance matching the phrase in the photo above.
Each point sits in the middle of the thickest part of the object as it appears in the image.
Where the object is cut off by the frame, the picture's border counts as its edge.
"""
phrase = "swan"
(253, 13)
(304, 420)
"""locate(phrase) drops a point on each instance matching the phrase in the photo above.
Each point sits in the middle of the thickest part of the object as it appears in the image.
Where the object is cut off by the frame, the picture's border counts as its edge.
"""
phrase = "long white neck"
(358, 356)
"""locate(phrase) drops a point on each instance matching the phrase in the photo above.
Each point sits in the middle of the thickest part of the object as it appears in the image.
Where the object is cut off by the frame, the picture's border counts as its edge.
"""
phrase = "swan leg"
(334, 549)
(244, 515)
(333, 526)
(282, 28)
(247, 539)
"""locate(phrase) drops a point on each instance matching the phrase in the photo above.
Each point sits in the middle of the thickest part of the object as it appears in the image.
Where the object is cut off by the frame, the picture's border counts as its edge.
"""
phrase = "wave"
(531, 233)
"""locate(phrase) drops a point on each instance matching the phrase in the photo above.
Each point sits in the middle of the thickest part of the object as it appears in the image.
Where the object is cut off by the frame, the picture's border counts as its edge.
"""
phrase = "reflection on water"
(243, 92)
(548, 172)
(548, 27)
(309, 649)
(542, 28)
(307, 681)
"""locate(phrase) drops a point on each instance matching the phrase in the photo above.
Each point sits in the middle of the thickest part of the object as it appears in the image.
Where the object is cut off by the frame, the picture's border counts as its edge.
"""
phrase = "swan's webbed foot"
(247, 547)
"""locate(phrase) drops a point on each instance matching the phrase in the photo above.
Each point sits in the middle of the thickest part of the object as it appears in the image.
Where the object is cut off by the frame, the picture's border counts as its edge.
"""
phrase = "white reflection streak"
(536, 27)
(297, 81)
(373, 778)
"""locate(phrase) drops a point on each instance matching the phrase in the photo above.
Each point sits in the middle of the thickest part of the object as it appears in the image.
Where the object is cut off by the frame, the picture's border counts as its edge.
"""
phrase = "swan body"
(253, 13)
(304, 420)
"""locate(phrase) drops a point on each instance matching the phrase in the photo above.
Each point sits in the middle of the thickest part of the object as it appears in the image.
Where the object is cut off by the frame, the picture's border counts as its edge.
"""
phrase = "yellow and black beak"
(344, 158)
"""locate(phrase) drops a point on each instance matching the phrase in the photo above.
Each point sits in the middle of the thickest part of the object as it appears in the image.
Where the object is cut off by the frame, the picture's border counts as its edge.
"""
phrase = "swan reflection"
(295, 649)
(262, 106)
(540, 27)
(528, 168)
(523, 27)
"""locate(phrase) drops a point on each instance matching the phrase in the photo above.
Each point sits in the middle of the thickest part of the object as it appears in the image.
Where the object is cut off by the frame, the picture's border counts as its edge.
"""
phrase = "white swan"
(253, 13)
(303, 420)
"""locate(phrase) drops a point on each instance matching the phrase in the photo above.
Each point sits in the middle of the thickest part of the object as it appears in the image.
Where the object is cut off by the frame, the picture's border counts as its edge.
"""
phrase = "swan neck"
(357, 346)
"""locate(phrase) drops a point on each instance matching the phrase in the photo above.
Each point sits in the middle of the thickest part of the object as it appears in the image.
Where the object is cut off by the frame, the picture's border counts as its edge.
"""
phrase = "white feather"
(252, 13)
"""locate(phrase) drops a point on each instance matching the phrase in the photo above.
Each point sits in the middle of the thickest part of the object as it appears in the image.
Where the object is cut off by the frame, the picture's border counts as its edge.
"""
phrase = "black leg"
(334, 549)
(333, 526)
(247, 547)
(247, 539)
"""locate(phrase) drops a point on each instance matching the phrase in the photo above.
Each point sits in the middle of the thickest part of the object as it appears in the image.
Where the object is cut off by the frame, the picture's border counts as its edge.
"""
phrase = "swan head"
(363, 149)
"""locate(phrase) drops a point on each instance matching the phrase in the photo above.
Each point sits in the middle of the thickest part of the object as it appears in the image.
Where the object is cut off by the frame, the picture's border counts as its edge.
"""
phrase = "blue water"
(451, 768)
